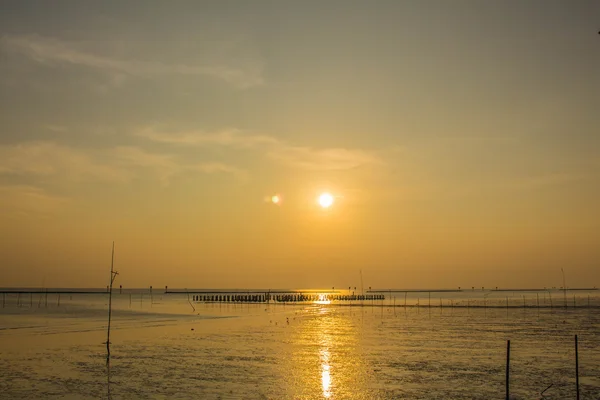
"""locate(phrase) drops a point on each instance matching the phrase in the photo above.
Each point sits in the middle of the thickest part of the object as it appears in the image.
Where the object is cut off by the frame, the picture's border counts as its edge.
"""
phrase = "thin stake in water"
(113, 275)
(507, 369)
(577, 366)
(564, 286)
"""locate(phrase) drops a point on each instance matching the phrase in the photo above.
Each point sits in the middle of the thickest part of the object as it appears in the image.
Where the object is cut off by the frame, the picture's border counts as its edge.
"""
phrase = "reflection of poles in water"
(189, 301)
(113, 275)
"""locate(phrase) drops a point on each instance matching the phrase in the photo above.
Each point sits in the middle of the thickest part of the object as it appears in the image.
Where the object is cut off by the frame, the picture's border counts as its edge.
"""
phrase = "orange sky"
(459, 139)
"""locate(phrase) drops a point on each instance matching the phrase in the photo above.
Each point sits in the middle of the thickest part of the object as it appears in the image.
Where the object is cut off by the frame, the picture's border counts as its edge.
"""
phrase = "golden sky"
(459, 140)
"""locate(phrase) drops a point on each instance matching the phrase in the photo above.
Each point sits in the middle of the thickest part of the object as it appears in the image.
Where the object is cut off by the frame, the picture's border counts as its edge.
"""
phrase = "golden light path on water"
(325, 353)
(325, 374)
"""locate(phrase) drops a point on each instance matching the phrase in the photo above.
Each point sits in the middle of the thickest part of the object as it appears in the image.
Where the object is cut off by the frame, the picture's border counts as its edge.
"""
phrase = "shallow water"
(174, 349)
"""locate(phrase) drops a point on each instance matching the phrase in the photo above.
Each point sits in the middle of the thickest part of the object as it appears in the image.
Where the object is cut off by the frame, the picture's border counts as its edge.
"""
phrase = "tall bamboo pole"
(113, 275)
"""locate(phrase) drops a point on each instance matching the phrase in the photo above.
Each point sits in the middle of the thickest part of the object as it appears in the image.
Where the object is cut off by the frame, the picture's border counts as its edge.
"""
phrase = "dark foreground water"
(172, 349)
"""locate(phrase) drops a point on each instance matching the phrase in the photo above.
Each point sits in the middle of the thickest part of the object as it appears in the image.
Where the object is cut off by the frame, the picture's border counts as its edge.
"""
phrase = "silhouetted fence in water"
(392, 299)
(282, 298)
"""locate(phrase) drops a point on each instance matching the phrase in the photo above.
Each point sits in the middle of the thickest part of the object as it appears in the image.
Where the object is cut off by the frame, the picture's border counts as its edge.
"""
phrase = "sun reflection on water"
(322, 299)
(325, 374)
(325, 355)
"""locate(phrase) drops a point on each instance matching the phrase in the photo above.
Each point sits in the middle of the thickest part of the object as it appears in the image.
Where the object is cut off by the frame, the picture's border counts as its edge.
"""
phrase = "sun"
(325, 200)
(275, 199)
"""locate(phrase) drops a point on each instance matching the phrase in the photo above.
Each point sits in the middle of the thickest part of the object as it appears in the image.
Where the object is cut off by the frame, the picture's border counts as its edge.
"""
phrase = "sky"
(459, 139)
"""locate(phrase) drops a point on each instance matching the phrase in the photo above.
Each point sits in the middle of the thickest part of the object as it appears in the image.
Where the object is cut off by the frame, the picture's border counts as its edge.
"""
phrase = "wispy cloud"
(230, 137)
(51, 159)
(323, 159)
(53, 51)
(165, 166)
(56, 128)
(302, 157)
(18, 201)
(117, 165)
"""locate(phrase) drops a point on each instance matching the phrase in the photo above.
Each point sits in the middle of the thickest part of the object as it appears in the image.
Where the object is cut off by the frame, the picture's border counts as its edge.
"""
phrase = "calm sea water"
(167, 347)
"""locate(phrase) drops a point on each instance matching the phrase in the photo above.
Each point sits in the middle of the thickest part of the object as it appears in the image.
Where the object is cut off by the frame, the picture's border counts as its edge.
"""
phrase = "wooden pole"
(564, 286)
(405, 299)
(537, 295)
(113, 275)
(577, 366)
(507, 369)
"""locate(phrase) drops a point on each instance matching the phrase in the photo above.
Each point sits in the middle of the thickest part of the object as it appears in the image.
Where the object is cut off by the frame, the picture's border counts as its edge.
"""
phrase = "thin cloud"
(300, 157)
(51, 159)
(223, 138)
(48, 160)
(322, 159)
(28, 201)
(166, 166)
(56, 128)
(53, 51)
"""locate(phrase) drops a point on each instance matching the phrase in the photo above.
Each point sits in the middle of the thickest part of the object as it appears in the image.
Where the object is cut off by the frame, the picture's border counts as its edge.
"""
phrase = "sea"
(409, 345)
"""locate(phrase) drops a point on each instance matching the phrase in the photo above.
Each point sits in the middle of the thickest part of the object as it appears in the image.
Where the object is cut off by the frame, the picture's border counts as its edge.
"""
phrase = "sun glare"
(325, 200)
(275, 199)
(322, 300)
